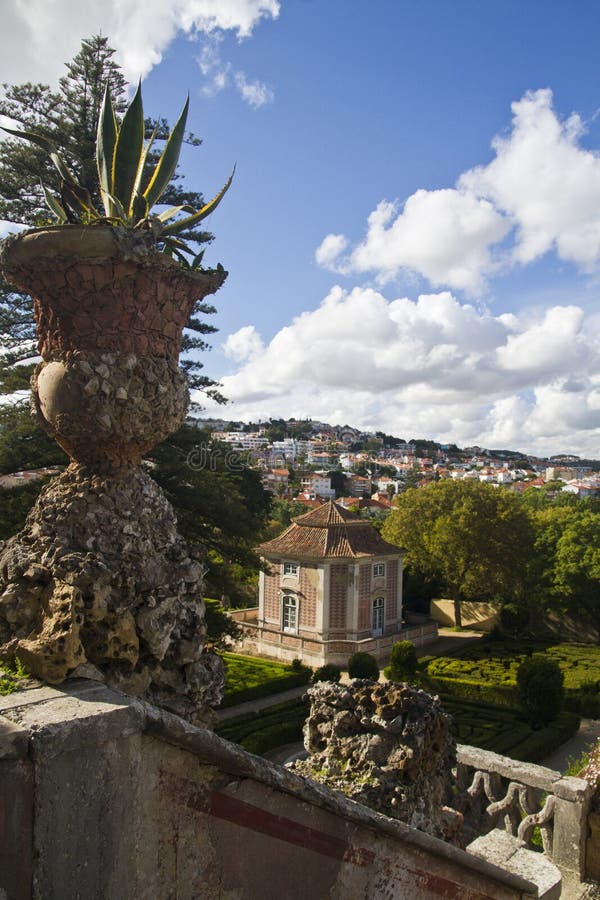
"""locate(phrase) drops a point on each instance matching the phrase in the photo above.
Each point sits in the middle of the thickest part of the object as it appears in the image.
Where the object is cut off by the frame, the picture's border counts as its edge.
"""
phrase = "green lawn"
(249, 678)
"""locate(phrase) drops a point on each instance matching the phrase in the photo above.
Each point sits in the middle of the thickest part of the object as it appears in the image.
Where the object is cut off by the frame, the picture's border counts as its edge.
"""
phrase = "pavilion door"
(377, 617)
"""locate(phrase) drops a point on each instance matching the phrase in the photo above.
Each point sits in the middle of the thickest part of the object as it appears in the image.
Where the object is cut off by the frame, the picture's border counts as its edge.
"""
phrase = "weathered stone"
(118, 588)
(385, 745)
(69, 405)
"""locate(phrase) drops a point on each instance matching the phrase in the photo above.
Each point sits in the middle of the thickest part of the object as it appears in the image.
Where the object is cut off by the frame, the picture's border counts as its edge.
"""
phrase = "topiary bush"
(403, 662)
(329, 672)
(540, 687)
(363, 665)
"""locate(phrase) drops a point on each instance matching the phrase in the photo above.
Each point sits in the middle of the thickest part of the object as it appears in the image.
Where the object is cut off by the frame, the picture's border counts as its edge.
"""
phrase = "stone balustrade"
(496, 792)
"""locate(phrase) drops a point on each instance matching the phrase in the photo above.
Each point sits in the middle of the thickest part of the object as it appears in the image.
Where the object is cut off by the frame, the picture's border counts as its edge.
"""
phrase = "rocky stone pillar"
(99, 575)
(387, 746)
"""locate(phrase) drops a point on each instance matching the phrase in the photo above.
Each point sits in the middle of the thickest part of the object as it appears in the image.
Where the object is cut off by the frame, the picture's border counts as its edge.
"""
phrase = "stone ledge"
(510, 853)
(84, 714)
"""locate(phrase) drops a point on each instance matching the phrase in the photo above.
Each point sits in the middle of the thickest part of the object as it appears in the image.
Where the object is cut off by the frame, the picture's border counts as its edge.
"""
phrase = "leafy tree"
(473, 538)
(221, 629)
(564, 572)
(540, 685)
(220, 503)
(69, 118)
(281, 514)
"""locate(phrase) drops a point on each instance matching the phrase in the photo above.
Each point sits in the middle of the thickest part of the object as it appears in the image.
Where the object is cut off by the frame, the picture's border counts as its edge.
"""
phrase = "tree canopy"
(474, 539)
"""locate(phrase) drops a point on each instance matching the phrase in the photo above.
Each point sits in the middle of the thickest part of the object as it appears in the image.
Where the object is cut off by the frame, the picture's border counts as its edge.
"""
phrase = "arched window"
(378, 617)
(289, 613)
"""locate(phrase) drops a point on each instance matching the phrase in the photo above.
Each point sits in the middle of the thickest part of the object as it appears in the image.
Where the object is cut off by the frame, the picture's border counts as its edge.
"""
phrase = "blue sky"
(413, 233)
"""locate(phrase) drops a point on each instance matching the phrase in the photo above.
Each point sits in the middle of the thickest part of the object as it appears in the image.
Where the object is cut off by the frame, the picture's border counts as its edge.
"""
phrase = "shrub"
(403, 662)
(540, 687)
(296, 665)
(513, 617)
(330, 672)
(363, 665)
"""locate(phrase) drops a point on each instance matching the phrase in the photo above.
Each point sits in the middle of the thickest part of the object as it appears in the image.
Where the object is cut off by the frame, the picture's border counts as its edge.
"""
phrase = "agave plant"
(121, 157)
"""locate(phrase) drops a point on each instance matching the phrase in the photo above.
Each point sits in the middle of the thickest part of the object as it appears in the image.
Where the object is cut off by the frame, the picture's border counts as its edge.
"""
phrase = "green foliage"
(363, 665)
(15, 504)
(487, 672)
(403, 662)
(472, 538)
(23, 445)
(249, 678)
(220, 628)
(11, 673)
(513, 616)
(506, 731)
(220, 503)
(540, 686)
(329, 672)
(265, 730)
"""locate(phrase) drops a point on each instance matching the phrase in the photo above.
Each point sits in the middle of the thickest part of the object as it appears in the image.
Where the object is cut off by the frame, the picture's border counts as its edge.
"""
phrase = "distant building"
(332, 587)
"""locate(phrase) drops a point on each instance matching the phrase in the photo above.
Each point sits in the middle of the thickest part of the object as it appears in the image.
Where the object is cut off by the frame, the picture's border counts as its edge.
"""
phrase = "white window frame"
(379, 570)
(289, 614)
(293, 567)
(378, 606)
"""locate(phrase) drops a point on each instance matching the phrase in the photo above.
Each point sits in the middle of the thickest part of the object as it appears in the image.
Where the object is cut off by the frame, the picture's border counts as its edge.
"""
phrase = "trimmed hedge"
(265, 730)
(506, 731)
(476, 691)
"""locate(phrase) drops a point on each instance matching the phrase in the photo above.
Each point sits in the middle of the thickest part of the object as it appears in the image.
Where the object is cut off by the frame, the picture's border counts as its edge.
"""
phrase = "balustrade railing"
(498, 792)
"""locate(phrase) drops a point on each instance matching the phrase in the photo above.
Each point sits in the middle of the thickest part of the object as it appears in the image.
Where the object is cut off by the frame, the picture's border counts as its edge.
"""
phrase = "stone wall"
(105, 796)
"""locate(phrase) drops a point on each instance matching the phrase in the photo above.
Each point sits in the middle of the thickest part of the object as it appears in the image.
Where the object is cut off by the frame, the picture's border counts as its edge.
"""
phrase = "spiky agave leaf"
(187, 222)
(54, 205)
(166, 165)
(106, 138)
(78, 199)
(128, 149)
(47, 145)
(137, 185)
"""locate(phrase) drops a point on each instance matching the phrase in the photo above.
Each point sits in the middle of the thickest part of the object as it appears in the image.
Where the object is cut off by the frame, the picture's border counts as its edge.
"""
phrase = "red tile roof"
(329, 531)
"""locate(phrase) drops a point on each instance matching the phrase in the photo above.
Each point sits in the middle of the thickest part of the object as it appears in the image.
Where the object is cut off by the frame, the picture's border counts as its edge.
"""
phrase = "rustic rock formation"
(99, 577)
(387, 746)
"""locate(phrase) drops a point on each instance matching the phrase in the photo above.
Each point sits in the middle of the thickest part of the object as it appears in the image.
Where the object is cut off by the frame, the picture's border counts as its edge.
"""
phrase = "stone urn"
(99, 577)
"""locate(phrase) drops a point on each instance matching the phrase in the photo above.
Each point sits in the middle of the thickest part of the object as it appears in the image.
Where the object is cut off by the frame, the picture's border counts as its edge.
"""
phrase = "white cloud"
(329, 250)
(38, 36)
(540, 193)
(244, 344)
(255, 93)
(431, 367)
(219, 74)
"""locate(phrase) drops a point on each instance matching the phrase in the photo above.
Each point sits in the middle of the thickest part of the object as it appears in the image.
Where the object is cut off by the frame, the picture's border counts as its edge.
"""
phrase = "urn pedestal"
(99, 575)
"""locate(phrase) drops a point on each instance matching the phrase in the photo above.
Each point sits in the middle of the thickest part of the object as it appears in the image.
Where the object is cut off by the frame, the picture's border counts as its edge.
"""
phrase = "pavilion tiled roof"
(328, 532)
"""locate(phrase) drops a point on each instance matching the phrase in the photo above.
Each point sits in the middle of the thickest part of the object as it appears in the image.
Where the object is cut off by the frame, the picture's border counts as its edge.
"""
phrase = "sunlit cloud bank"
(432, 368)
(39, 36)
(539, 194)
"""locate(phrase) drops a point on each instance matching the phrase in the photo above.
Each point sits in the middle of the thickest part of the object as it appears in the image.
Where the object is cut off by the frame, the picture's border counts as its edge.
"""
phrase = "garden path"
(575, 747)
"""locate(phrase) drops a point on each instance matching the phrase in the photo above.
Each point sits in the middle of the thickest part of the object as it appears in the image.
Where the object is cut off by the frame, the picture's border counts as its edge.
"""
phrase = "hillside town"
(313, 462)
